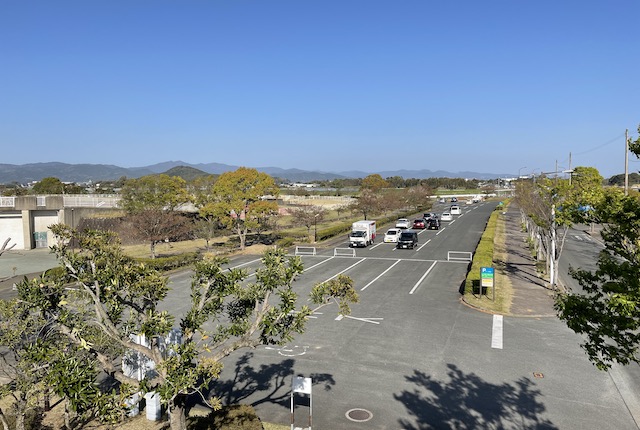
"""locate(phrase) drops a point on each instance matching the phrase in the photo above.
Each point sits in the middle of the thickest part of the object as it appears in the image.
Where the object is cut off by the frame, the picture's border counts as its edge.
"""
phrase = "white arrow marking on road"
(496, 332)
(369, 320)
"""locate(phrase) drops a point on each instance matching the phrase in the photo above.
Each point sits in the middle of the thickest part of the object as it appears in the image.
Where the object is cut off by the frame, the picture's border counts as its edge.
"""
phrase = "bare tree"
(5, 246)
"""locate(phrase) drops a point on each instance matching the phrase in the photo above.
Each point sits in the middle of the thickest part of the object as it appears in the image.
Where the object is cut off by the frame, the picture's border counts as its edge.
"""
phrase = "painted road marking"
(244, 264)
(496, 332)
(440, 230)
(378, 277)
(368, 319)
(317, 264)
(422, 279)
(424, 244)
(339, 273)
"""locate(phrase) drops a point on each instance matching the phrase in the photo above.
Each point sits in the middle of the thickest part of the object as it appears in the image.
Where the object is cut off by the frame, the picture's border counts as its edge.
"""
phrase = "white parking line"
(342, 271)
(423, 245)
(378, 277)
(244, 264)
(422, 279)
(375, 246)
(317, 264)
(496, 332)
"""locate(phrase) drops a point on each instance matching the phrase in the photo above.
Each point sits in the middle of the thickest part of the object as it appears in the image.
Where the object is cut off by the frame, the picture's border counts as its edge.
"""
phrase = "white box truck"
(363, 233)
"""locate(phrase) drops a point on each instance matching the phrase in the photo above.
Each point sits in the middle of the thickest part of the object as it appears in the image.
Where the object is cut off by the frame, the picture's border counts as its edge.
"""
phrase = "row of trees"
(242, 201)
(607, 310)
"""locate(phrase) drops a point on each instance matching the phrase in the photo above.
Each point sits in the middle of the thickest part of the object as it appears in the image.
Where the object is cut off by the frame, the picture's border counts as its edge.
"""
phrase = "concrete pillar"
(27, 229)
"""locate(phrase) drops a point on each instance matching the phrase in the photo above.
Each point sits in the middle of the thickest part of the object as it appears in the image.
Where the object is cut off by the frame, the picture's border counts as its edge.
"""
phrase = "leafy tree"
(151, 203)
(395, 181)
(551, 205)
(160, 192)
(104, 298)
(374, 183)
(238, 197)
(607, 311)
(49, 185)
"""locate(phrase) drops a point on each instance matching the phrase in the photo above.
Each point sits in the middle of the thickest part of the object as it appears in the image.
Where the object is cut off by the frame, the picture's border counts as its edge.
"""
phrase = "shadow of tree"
(272, 382)
(466, 401)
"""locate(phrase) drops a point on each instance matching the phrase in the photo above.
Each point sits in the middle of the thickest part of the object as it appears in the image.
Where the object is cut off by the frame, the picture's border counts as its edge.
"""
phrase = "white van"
(454, 210)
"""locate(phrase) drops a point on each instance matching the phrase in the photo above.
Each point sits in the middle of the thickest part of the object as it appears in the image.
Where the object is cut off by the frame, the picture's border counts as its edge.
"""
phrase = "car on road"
(403, 223)
(428, 215)
(454, 199)
(442, 200)
(454, 210)
(433, 224)
(419, 223)
(446, 216)
(408, 239)
(392, 235)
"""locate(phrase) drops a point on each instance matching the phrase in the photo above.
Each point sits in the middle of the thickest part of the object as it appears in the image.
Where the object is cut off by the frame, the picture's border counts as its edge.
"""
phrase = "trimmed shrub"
(172, 262)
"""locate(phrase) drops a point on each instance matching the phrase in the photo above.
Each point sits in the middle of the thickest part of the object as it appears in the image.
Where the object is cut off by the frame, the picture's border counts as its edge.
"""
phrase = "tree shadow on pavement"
(466, 401)
(269, 383)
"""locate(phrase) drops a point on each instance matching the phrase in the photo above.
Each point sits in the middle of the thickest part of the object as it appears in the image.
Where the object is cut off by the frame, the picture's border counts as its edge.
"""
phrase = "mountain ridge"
(66, 172)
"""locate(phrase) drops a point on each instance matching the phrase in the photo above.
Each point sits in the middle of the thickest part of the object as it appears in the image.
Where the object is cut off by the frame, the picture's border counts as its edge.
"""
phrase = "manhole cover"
(359, 415)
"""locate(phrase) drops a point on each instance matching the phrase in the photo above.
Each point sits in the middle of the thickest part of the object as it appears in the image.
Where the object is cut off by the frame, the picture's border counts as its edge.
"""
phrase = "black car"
(408, 239)
(433, 224)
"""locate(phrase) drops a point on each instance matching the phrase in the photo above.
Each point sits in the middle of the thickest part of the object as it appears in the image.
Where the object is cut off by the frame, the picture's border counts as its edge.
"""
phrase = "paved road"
(412, 356)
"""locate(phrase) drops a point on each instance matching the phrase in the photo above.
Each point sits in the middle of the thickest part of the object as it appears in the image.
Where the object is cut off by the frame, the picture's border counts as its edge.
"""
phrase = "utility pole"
(570, 172)
(626, 162)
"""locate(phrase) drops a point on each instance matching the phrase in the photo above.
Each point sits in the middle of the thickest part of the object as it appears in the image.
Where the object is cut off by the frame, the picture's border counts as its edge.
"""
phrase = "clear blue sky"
(498, 86)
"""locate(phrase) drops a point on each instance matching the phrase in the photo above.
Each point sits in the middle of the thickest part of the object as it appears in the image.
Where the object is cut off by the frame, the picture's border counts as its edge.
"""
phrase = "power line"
(609, 142)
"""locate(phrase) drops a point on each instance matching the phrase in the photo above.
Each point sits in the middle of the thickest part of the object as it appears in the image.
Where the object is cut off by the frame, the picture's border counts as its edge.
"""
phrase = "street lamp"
(315, 228)
(520, 170)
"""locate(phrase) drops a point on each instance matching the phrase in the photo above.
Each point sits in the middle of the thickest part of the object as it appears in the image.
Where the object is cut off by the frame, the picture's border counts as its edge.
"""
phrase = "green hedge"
(172, 262)
(483, 257)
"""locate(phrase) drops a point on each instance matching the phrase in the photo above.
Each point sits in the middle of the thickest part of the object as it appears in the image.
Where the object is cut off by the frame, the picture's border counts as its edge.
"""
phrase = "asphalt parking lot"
(411, 355)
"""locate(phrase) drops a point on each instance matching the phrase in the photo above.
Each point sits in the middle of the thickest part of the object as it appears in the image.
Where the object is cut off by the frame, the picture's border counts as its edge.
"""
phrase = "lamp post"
(520, 170)
(315, 228)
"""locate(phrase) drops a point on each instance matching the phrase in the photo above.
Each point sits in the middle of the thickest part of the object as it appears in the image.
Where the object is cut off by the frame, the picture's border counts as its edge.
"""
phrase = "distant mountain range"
(79, 173)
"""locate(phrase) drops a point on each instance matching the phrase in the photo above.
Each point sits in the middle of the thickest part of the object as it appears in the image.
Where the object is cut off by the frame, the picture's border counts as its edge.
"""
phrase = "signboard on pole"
(487, 280)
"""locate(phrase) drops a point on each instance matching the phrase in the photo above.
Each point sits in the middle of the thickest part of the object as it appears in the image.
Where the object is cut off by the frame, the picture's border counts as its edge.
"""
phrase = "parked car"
(403, 223)
(433, 224)
(454, 210)
(419, 223)
(392, 235)
(446, 216)
(408, 239)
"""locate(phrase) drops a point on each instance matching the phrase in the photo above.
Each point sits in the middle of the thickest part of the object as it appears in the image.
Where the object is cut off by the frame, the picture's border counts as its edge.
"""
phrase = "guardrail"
(459, 256)
(344, 252)
(305, 250)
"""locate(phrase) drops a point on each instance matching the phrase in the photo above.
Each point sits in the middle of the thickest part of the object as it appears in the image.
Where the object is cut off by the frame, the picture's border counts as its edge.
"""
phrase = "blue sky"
(498, 86)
